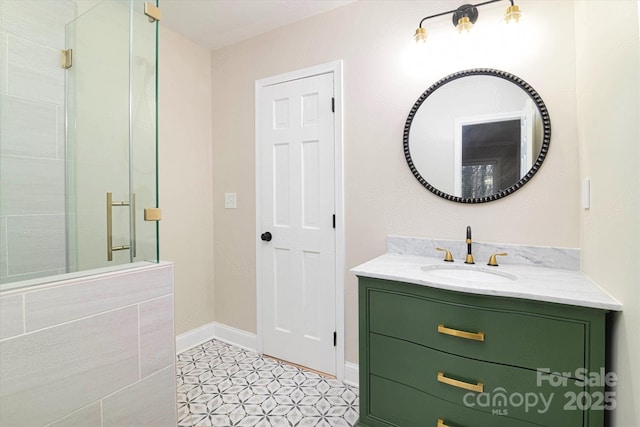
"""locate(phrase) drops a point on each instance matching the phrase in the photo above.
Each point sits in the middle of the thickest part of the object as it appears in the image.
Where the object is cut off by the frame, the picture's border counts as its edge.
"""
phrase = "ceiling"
(219, 23)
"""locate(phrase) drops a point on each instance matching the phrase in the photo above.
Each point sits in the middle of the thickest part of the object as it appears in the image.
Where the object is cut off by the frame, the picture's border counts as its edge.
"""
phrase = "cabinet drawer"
(398, 405)
(509, 337)
(497, 387)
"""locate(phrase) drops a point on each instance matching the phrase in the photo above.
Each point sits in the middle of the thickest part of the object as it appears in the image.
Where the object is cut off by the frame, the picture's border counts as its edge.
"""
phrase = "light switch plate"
(230, 200)
(586, 193)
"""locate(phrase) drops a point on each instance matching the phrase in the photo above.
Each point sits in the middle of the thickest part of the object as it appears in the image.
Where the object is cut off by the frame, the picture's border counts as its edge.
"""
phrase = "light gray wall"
(608, 79)
(185, 175)
(92, 351)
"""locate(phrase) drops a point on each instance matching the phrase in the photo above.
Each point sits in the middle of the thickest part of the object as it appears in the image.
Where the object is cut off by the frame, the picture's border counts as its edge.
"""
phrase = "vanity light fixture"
(465, 16)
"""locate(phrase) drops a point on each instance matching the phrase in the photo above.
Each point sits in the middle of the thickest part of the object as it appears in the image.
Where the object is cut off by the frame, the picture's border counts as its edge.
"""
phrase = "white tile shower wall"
(19, 135)
(111, 361)
(37, 21)
(32, 151)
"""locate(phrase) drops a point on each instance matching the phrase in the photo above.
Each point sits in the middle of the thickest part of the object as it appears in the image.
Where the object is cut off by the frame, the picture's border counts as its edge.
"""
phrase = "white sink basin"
(466, 273)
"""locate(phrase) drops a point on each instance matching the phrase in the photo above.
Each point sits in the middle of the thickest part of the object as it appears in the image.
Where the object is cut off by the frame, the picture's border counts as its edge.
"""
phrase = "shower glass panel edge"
(143, 148)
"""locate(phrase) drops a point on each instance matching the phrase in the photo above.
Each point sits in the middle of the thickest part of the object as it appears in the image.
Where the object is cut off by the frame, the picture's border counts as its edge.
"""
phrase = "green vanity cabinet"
(432, 357)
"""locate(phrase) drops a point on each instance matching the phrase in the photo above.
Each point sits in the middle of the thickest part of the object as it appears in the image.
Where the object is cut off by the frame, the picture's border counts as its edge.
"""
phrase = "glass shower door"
(111, 136)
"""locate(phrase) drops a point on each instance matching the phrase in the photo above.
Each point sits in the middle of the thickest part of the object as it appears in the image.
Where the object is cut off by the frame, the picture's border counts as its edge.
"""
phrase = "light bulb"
(464, 24)
(420, 36)
(513, 14)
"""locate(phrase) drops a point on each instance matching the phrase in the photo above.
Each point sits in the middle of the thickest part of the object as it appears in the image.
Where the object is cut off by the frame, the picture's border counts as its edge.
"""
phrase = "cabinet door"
(522, 339)
(393, 404)
(499, 389)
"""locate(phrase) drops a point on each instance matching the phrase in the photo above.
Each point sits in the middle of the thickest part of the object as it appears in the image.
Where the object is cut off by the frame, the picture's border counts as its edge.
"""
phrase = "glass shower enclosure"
(78, 137)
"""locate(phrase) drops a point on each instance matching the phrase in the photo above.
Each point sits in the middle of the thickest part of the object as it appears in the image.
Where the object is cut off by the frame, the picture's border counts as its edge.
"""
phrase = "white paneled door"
(297, 208)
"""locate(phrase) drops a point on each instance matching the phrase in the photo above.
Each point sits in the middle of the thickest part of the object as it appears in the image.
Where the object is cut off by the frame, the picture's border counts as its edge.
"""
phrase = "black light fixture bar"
(455, 10)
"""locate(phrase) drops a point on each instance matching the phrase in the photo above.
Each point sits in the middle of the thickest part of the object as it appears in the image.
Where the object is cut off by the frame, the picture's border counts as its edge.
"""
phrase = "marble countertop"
(531, 282)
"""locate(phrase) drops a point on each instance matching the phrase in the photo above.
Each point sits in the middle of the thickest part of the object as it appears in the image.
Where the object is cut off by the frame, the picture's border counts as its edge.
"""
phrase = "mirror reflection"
(477, 135)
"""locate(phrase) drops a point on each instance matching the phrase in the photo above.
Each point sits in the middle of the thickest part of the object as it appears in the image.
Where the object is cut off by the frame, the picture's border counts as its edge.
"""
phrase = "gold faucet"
(447, 254)
(469, 258)
(492, 259)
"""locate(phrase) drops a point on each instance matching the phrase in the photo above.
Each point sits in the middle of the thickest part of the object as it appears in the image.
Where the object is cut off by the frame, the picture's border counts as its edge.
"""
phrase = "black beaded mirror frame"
(546, 123)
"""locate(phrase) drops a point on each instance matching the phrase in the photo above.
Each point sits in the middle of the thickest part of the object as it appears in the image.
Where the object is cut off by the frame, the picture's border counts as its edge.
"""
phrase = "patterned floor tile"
(222, 385)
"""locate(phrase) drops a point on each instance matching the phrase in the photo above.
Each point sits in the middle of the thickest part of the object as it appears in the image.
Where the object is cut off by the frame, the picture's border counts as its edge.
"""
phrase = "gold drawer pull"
(441, 423)
(476, 336)
(478, 388)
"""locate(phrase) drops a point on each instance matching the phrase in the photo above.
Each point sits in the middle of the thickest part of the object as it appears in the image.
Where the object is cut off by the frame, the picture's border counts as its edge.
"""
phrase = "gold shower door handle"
(110, 205)
(133, 223)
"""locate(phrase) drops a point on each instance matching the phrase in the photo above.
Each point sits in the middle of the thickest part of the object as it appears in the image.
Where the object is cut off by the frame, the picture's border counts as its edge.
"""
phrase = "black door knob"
(266, 236)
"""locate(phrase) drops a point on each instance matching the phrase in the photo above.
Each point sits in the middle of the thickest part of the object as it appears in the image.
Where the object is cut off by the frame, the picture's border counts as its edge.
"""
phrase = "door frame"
(335, 68)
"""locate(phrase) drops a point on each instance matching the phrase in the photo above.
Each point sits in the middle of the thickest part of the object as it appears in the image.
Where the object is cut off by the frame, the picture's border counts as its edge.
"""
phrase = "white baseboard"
(236, 337)
(243, 339)
(194, 337)
(217, 331)
(351, 374)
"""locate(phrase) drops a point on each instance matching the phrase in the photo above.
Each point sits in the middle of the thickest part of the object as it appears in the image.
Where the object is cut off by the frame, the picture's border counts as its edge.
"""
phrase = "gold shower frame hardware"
(478, 387)
(153, 12)
(152, 214)
(110, 205)
(441, 423)
(66, 58)
(476, 336)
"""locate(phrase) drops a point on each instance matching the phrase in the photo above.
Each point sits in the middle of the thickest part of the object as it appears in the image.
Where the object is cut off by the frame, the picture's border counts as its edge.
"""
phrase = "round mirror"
(477, 135)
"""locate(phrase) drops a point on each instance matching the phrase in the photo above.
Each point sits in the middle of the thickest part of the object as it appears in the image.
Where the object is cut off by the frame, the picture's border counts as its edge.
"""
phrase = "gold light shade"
(512, 14)
(421, 35)
(464, 24)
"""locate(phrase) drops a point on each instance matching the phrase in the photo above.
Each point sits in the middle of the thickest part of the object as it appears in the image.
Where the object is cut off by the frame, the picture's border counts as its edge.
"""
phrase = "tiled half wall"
(98, 350)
